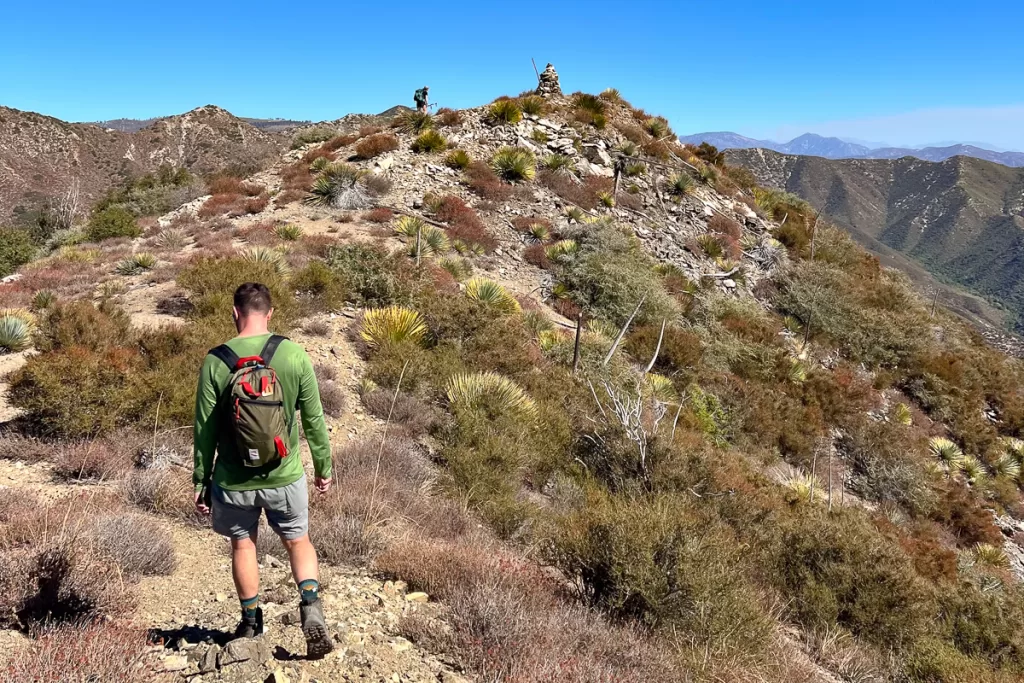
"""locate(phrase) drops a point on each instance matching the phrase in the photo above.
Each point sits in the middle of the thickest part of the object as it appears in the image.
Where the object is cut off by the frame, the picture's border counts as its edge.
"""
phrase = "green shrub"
(559, 163)
(211, 284)
(659, 560)
(532, 105)
(514, 163)
(657, 127)
(429, 141)
(113, 221)
(680, 184)
(589, 103)
(312, 135)
(16, 249)
(320, 285)
(80, 323)
(413, 122)
(825, 562)
(371, 275)
(289, 233)
(43, 300)
(609, 275)
(504, 112)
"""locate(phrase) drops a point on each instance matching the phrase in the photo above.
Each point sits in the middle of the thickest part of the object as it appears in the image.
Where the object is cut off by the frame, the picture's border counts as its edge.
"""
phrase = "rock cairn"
(548, 85)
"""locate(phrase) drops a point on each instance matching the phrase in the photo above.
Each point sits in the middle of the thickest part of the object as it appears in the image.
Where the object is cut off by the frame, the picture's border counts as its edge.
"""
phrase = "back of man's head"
(252, 298)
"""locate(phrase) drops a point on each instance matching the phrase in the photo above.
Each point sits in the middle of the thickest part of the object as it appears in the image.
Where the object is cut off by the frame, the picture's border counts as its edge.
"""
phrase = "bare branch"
(622, 332)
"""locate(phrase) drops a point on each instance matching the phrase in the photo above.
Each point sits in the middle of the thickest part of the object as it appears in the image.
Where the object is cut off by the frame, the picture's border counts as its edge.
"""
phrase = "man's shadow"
(169, 637)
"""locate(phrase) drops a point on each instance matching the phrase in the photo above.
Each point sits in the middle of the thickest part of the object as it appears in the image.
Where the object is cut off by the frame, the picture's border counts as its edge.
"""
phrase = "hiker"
(249, 391)
(420, 98)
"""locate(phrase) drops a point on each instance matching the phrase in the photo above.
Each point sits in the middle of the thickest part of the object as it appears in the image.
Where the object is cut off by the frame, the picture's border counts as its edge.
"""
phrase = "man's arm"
(204, 434)
(313, 424)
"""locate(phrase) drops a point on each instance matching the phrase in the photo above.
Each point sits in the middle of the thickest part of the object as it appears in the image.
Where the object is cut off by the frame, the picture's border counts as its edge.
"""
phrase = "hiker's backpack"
(419, 97)
(252, 405)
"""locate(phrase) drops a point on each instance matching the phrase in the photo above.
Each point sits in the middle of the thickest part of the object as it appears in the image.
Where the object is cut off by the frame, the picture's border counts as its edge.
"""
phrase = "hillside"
(962, 219)
(41, 157)
(600, 412)
(810, 144)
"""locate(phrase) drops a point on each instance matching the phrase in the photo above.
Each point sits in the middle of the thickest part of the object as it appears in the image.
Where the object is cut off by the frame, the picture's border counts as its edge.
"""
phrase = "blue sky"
(901, 71)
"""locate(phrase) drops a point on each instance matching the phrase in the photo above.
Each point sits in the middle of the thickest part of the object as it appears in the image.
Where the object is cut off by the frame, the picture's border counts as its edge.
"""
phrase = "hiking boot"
(314, 628)
(250, 627)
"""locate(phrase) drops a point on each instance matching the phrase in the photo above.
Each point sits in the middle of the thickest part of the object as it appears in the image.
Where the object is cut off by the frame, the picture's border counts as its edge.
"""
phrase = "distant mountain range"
(810, 144)
(135, 125)
(961, 219)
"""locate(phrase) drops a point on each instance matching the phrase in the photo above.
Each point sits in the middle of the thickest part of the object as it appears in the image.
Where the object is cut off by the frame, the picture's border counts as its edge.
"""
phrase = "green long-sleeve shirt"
(298, 383)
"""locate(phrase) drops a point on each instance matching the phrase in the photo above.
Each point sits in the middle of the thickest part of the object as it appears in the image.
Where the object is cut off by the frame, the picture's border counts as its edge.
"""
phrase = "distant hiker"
(420, 98)
(249, 391)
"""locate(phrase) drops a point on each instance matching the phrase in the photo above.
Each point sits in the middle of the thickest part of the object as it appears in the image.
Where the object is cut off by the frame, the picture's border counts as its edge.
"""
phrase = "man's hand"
(322, 485)
(201, 507)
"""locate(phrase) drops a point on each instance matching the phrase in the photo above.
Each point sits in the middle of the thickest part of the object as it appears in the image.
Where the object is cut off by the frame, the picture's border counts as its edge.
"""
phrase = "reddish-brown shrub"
(111, 653)
(463, 223)
(366, 131)
(537, 255)
(523, 223)
(319, 153)
(379, 215)
(584, 195)
(376, 144)
(485, 182)
(225, 184)
(962, 514)
(634, 134)
(338, 142)
(448, 117)
(254, 204)
(296, 176)
(289, 196)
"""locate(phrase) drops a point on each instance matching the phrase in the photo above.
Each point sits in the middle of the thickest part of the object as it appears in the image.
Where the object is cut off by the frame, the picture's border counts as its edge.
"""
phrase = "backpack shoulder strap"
(225, 354)
(270, 348)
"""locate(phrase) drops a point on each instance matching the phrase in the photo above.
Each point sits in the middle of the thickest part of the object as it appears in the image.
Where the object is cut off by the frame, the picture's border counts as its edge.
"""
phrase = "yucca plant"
(319, 164)
(467, 249)
(988, 555)
(562, 248)
(429, 141)
(72, 254)
(392, 325)
(657, 127)
(267, 255)
(1015, 447)
(43, 299)
(289, 233)
(589, 103)
(408, 226)
(560, 290)
(173, 239)
(504, 112)
(136, 263)
(637, 168)
(680, 184)
(458, 158)
(711, 246)
(539, 232)
(574, 214)
(901, 414)
(433, 242)
(602, 329)
(707, 173)
(611, 95)
(366, 387)
(802, 485)
(973, 470)
(459, 268)
(432, 202)
(539, 136)
(413, 122)
(607, 199)
(531, 104)
(491, 392)
(1006, 467)
(336, 187)
(536, 322)
(559, 163)
(549, 339)
(514, 163)
(492, 294)
(661, 388)
(15, 334)
(797, 372)
(948, 453)
(629, 149)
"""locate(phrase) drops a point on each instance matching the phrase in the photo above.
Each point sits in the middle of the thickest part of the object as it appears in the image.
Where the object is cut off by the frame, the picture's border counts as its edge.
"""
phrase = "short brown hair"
(252, 297)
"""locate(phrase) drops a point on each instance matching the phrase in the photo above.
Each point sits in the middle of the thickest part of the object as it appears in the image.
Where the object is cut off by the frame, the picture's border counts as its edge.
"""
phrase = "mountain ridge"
(812, 144)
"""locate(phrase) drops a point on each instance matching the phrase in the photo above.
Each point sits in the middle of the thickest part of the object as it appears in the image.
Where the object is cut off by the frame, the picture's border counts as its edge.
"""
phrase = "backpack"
(252, 406)
(419, 97)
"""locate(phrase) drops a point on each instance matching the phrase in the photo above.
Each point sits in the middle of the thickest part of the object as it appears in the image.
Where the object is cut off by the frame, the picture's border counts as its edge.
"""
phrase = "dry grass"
(107, 653)
(332, 396)
(508, 623)
(99, 460)
(410, 415)
(164, 490)
(137, 544)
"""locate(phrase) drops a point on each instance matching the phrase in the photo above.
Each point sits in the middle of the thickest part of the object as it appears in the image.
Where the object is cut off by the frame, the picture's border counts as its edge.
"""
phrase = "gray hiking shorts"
(236, 514)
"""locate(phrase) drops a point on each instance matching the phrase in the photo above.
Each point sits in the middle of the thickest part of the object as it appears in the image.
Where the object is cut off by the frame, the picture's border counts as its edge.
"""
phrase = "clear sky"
(899, 71)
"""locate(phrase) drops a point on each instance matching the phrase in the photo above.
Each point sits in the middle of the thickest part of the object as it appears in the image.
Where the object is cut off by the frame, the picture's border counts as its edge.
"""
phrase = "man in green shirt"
(236, 491)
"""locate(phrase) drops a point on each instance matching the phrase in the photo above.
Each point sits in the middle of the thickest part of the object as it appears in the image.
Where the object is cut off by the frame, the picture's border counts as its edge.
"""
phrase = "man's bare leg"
(302, 556)
(246, 573)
